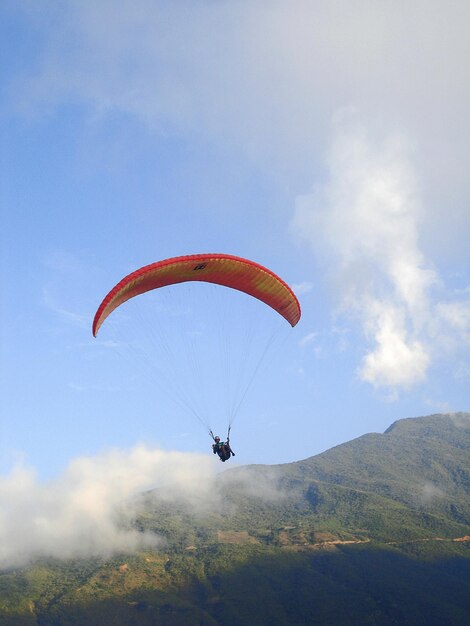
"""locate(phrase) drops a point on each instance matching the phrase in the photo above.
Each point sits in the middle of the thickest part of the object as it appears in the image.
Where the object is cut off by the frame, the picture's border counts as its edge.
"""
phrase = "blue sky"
(329, 144)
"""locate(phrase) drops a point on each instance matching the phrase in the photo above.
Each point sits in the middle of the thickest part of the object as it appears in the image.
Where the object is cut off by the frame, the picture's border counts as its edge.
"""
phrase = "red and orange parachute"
(175, 357)
(220, 269)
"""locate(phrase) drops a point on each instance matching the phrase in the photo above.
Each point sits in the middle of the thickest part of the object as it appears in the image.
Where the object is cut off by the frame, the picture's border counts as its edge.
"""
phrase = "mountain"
(412, 480)
(374, 531)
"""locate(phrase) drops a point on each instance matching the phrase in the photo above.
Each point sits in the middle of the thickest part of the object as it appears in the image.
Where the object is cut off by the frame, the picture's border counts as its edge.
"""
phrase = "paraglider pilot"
(223, 449)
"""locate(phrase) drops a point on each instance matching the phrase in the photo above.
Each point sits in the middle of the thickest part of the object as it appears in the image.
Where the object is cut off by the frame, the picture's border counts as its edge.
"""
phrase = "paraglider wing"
(220, 269)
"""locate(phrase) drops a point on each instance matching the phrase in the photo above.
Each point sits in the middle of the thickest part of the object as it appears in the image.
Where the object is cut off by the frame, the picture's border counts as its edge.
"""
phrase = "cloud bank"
(88, 510)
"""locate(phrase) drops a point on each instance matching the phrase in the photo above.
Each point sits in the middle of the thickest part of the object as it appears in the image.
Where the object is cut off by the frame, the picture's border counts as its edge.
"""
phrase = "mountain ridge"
(411, 463)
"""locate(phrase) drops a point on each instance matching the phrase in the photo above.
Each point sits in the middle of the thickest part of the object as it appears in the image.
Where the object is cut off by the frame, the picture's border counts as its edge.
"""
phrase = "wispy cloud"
(89, 509)
(461, 420)
(51, 301)
(308, 339)
(430, 493)
(80, 388)
(263, 77)
(66, 284)
(302, 288)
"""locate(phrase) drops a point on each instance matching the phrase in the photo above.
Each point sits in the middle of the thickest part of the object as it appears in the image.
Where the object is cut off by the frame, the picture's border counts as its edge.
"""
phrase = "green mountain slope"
(374, 531)
(422, 462)
(408, 482)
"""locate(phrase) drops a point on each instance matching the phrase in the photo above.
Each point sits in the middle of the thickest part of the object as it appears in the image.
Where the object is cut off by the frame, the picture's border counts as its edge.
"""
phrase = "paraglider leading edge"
(222, 269)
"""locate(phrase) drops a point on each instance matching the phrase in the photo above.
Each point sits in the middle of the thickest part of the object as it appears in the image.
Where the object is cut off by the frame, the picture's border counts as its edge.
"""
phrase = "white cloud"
(263, 78)
(396, 361)
(87, 510)
(430, 493)
(365, 220)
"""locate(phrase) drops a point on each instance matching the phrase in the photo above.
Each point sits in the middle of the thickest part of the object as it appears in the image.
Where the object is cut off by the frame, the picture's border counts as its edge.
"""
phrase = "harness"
(223, 449)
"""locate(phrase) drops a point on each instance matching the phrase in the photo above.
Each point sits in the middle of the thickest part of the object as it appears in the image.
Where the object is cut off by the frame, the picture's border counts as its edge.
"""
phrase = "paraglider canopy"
(221, 269)
(206, 373)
